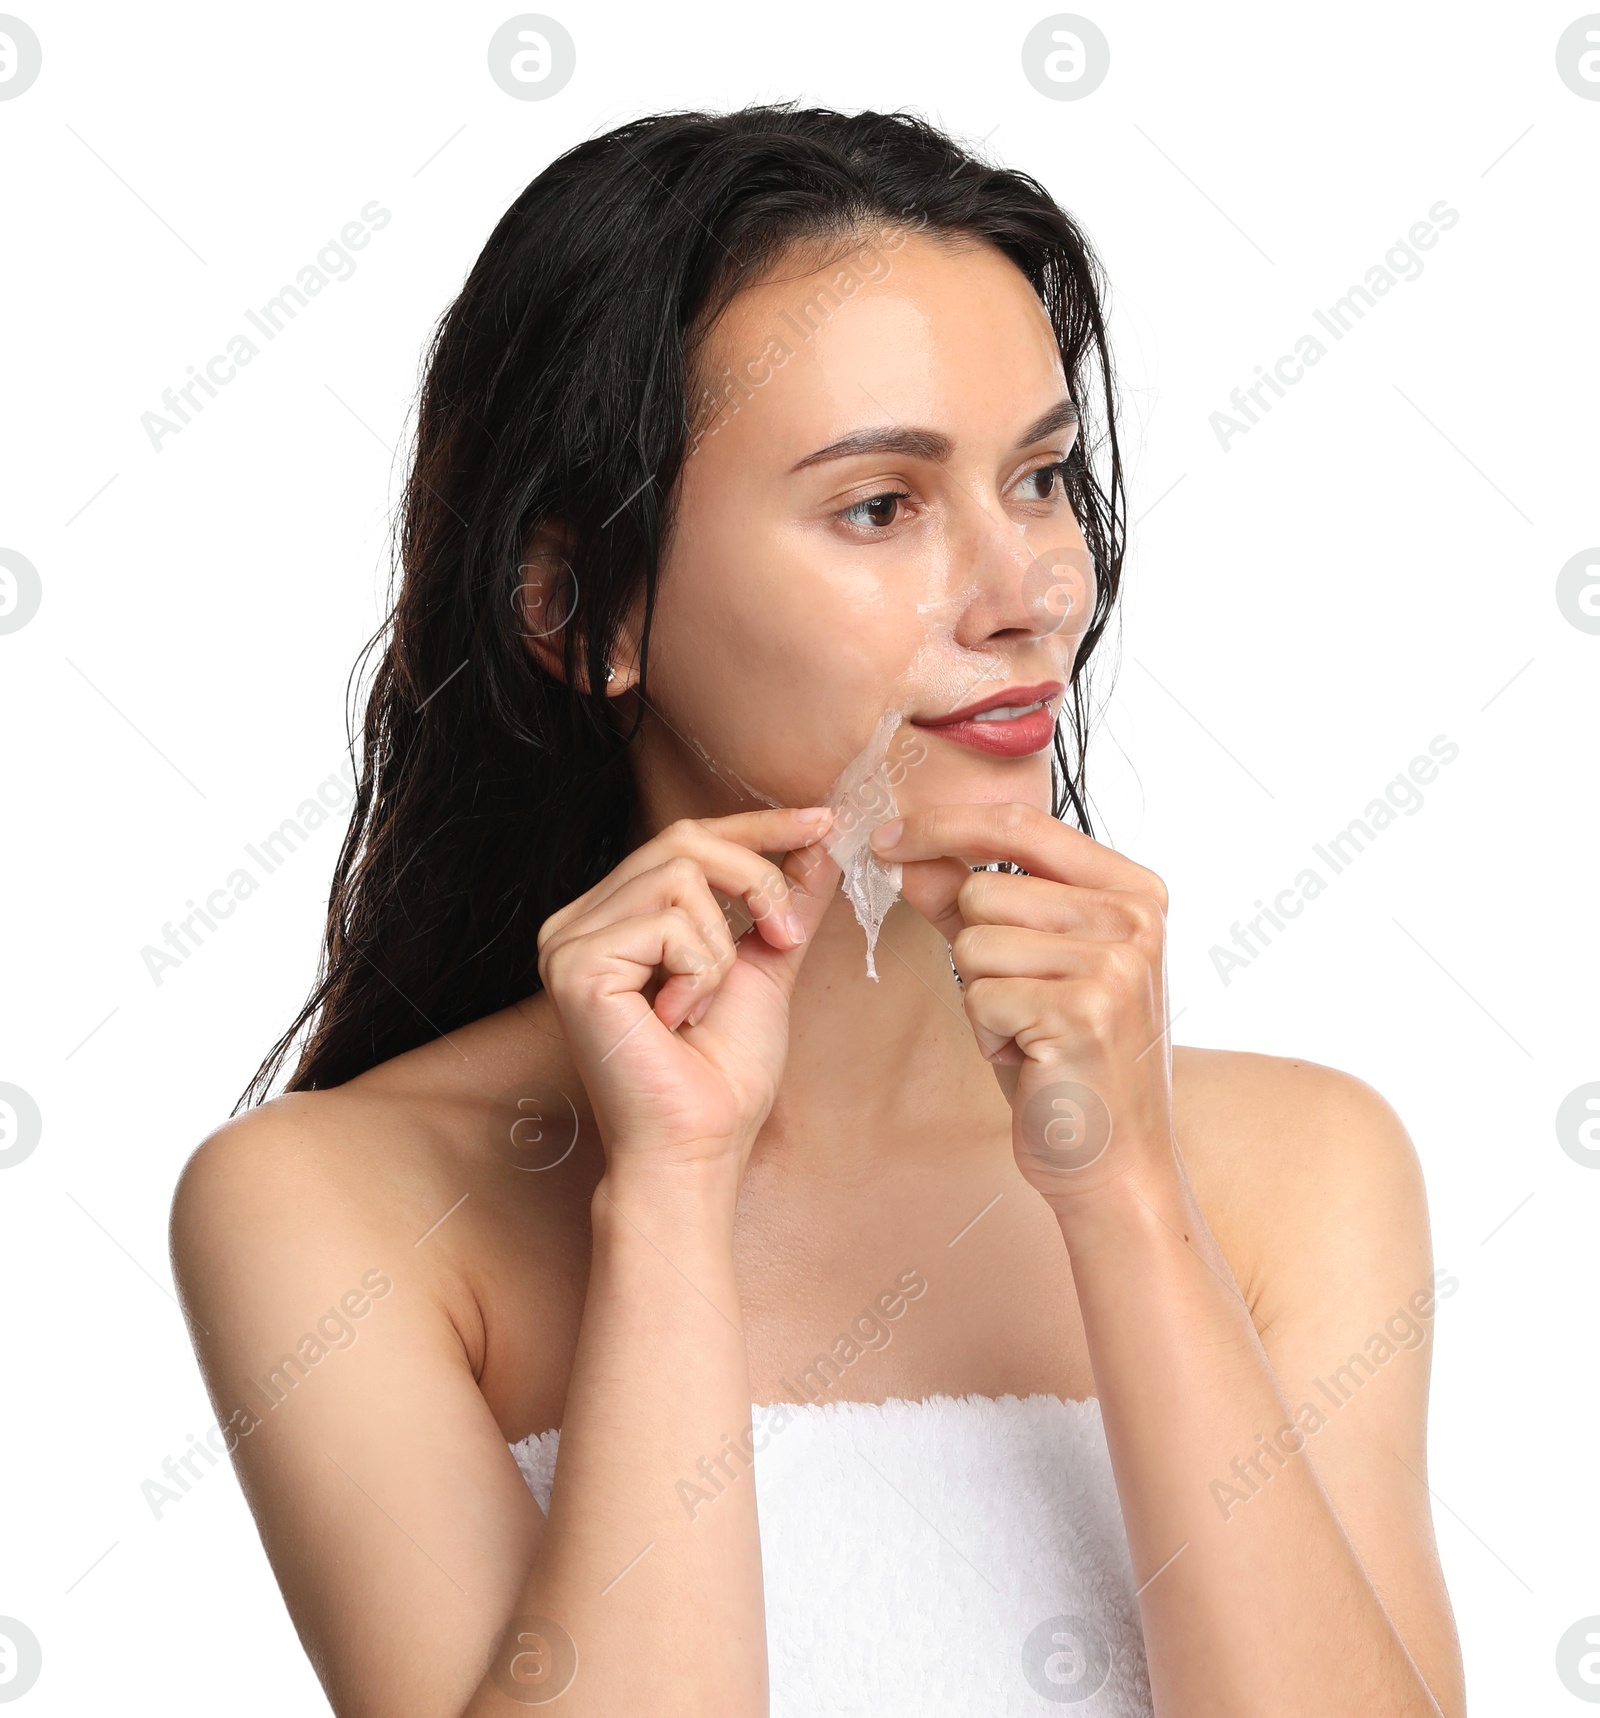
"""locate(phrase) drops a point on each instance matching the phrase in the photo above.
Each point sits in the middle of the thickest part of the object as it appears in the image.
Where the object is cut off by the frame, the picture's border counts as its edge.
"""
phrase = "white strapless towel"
(960, 1555)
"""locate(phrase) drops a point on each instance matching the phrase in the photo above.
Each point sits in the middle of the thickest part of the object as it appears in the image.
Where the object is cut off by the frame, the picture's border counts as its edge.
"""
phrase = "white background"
(1374, 564)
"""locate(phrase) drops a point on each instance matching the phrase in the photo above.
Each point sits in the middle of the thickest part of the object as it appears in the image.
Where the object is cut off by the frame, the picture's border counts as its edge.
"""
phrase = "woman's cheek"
(908, 751)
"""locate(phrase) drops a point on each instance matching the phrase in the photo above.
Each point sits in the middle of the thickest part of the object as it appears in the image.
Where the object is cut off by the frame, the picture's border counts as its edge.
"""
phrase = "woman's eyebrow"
(1059, 417)
(929, 444)
(914, 443)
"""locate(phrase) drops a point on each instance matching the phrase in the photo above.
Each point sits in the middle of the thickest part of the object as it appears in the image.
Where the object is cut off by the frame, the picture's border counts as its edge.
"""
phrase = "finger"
(691, 983)
(813, 878)
(721, 848)
(1054, 1019)
(1025, 1013)
(677, 882)
(687, 995)
(1016, 951)
(1101, 915)
(609, 966)
(1027, 836)
(933, 887)
(678, 885)
(813, 875)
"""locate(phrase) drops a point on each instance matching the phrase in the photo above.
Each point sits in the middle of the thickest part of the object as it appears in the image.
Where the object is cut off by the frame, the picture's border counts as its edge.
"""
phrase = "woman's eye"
(1049, 481)
(877, 512)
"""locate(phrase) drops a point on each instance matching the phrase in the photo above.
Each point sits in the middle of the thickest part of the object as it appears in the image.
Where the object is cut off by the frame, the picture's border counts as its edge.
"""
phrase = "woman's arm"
(1343, 1291)
(410, 1553)
(420, 1574)
(1260, 1602)
(1272, 1485)
(659, 1591)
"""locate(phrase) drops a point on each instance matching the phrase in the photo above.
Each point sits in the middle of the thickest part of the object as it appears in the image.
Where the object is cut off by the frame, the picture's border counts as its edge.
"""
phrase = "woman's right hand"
(688, 1077)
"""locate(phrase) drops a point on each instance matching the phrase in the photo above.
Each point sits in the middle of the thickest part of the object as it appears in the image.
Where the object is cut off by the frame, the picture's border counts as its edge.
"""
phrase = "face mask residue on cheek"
(862, 799)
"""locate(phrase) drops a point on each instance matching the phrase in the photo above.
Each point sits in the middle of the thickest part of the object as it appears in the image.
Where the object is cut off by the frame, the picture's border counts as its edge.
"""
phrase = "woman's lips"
(1013, 737)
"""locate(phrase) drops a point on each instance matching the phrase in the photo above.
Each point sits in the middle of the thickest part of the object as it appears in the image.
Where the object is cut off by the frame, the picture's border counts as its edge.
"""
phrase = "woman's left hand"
(1064, 980)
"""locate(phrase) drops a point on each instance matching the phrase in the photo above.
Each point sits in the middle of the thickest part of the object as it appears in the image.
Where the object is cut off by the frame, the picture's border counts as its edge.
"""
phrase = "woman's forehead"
(878, 335)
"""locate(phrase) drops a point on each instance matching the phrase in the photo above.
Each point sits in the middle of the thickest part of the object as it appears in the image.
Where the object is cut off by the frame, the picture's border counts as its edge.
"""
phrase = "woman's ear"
(547, 599)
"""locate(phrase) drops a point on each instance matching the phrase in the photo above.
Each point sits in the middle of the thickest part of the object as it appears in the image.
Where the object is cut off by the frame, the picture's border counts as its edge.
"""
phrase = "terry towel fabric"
(957, 1555)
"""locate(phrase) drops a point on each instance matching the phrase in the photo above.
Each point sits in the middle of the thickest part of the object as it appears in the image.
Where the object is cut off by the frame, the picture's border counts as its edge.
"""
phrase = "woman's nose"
(1011, 587)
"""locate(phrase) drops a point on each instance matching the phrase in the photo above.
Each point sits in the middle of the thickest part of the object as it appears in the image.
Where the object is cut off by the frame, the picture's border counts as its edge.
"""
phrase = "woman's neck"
(878, 1069)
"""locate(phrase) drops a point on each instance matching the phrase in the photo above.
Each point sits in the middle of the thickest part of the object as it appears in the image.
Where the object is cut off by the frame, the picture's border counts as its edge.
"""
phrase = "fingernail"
(889, 835)
(795, 929)
(813, 814)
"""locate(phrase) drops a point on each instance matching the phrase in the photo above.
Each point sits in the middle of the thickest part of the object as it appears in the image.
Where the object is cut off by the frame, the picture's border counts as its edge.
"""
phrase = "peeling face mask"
(862, 798)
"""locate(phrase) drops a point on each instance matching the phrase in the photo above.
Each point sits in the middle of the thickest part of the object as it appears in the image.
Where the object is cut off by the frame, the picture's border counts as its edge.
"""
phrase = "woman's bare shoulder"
(1266, 1092)
(344, 1149)
(386, 1137)
(300, 1193)
(363, 1152)
(1285, 1154)
(400, 1162)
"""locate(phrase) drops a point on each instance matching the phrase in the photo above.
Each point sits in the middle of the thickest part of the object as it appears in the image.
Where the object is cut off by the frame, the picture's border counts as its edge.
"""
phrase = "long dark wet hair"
(558, 388)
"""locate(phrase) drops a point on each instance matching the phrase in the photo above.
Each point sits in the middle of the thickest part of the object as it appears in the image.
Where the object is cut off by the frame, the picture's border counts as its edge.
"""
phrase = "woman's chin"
(978, 779)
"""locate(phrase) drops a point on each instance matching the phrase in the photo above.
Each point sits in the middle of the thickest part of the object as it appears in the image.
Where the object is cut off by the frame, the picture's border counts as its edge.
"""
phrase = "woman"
(765, 513)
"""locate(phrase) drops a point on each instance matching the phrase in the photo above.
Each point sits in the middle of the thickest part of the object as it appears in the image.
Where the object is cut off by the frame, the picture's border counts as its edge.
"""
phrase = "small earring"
(611, 674)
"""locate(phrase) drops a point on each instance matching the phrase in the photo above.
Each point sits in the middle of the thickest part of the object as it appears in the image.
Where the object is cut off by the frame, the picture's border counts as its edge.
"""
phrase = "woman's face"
(870, 520)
